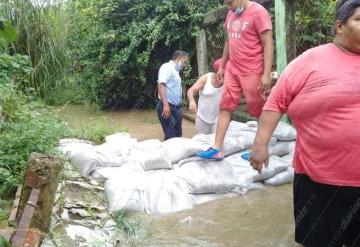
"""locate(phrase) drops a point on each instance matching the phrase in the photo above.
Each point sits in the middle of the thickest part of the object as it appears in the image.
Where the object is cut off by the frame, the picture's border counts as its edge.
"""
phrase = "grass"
(124, 224)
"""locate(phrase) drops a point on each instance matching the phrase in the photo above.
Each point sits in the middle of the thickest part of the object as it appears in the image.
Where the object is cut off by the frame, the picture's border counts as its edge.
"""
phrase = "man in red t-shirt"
(320, 90)
(249, 53)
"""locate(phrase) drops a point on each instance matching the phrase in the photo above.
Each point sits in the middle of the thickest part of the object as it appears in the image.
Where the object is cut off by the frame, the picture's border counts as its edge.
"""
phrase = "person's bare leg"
(223, 122)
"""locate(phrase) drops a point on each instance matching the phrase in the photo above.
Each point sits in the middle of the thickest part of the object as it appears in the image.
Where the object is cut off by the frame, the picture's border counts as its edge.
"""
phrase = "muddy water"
(259, 218)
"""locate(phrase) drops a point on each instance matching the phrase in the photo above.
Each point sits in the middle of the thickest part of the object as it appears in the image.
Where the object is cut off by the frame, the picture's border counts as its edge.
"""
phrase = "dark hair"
(179, 53)
(345, 9)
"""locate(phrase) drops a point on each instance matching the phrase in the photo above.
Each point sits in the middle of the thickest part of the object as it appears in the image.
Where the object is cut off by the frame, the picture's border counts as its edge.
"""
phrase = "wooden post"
(285, 33)
(43, 174)
(201, 52)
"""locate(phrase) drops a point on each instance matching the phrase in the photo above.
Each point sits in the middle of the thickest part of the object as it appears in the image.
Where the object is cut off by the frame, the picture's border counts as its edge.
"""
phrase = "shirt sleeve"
(263, 21)
(289, 85)
(163, 75)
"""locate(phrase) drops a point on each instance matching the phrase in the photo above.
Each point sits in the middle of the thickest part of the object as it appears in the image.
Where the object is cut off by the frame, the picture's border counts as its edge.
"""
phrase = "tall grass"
(43, 29)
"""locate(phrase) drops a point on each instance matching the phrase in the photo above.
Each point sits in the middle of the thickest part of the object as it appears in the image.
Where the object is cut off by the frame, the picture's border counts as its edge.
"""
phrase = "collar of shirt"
(175, 65)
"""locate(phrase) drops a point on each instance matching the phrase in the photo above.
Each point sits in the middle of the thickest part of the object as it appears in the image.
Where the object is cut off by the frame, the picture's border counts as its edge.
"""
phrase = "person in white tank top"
(207, 110)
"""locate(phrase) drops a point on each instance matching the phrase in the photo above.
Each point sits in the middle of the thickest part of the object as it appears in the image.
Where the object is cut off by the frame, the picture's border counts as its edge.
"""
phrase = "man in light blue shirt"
(169, 108)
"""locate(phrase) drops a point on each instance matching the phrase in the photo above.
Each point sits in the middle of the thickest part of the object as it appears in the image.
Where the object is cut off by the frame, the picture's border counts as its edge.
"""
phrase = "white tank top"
(209, 100)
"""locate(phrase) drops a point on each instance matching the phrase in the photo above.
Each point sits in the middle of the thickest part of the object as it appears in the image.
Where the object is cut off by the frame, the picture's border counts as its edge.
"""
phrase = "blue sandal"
(211, 154)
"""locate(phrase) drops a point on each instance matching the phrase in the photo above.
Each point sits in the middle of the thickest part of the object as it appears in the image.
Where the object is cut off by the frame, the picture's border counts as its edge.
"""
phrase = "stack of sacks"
(279, 170)
(87, 158)
(159, 177)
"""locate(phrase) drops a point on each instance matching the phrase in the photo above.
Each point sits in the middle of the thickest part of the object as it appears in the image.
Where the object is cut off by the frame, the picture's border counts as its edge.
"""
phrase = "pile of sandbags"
(159, 177)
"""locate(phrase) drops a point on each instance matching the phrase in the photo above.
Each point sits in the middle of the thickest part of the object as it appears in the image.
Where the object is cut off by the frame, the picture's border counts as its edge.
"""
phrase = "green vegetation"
(314, 23)
(124, 224)
(120, 45)
(42, 35)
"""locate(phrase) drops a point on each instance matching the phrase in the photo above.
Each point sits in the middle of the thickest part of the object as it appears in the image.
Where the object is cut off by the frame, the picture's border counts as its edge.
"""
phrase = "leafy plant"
(124, 223)
(8, 34)
(314, 22)
(27, 126)
(119, 46)
(42, 32)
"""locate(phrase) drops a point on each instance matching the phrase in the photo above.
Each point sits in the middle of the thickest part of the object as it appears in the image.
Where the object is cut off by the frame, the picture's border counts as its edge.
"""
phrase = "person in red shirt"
(248, 53)
(320, 91)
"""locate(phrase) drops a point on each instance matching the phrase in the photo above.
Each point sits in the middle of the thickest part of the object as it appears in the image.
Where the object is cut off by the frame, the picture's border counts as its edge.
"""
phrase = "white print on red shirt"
(237, 27)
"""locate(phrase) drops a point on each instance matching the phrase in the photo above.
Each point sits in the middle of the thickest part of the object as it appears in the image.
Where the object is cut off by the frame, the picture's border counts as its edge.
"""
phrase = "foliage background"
(119, 46)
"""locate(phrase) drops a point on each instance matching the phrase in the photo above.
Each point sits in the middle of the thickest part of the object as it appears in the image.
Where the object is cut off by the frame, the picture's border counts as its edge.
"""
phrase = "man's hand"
(259, 156)
(166, 111)
(220, 75)
(192, 107)
(265, 82)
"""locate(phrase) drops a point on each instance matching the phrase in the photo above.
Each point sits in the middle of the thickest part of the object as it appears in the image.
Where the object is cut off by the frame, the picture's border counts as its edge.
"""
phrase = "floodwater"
(259, 218)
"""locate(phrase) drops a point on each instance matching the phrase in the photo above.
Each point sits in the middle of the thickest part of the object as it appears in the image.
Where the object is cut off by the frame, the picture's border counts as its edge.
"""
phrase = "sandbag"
(289, 157)
(276, 165)
(151, 155)
(232, 144)
(243, 171)
(284, 177)
(86, 161)
(235, 128)
(282, 148)
(208, 176)
(152, 192)
(104, 173)
(179, 148)
(119, 143)
(68, 146)
(284, 132)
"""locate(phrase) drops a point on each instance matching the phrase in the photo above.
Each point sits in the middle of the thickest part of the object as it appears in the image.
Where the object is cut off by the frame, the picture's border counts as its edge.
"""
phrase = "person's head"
(347, 27)
(216, 65)
(237, 6)
(180, 58)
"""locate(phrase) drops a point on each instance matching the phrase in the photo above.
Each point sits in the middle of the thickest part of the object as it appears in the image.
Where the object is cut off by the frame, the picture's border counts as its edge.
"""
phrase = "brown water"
(259, 218)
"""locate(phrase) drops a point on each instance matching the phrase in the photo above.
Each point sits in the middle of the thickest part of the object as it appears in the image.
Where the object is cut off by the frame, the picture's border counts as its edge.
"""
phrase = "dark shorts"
(172, 126)
(326, 215)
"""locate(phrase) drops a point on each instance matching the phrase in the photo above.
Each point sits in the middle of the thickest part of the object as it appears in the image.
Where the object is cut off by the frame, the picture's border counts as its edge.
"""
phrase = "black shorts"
(326, 215)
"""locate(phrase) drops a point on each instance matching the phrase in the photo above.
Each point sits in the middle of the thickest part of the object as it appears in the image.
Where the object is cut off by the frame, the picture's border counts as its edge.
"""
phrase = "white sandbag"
(104, 173)
(87, 161)
(119, 143)
(122, 191)
(232, 144)
(276, 165)
(283, 177)
(179, 148)
(284, 132)
(208, 176)
(282, 148)
(151, 155)
(243, 171)
(236, 127)
(69, 146)
(151, 192)
(289, 157)
(148, 144)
